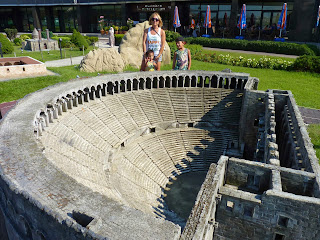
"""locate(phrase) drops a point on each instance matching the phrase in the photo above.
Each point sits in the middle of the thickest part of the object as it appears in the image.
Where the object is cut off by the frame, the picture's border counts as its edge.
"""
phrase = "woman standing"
(154, 38)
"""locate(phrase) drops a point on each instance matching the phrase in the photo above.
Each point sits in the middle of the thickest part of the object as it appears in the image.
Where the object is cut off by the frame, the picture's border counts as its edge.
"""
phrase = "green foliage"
(194, 48)
(258, 46)
(118, 38)
(79, 40)
(263, 62)
(44, 34)
(23, 37)
(307, 64)
(11, 33)
(171, 36)
(124, 28)
(6, 44)
(66, 41)
(314, 48)
(17, 41)
(92, 40)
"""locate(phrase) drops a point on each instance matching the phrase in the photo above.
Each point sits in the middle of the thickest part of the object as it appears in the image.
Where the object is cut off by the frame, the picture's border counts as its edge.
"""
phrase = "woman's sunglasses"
(155, 19)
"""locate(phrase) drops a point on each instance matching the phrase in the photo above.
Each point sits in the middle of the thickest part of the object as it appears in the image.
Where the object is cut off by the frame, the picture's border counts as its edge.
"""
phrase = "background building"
(65, 15)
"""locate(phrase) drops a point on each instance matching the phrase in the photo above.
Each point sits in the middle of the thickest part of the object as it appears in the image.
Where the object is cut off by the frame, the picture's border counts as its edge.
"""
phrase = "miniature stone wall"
(52, 201)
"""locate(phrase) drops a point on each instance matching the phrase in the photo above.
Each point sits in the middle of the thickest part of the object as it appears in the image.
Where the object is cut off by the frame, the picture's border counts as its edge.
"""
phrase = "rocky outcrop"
(131, 46)
(102, 60)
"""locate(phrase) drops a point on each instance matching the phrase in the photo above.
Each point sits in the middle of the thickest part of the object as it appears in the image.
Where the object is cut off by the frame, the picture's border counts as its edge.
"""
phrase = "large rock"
(131, 46)
(102, 60)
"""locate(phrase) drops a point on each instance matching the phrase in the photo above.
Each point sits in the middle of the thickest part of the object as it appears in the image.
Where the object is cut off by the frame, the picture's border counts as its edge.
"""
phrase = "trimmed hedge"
(307, 64)
(66, 41)
(44, 34)
(17, 41)
(6, 44)
(92, 40)
(194, 48)
(171, 36)
(79, 40)
(118, 38)
(258, 46)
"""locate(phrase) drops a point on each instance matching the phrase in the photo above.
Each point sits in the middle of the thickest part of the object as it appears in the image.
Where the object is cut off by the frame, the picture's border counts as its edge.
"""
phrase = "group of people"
(154, 39)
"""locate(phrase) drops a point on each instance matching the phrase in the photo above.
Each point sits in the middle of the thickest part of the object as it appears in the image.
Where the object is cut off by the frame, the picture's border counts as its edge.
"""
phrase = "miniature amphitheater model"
(92, 159)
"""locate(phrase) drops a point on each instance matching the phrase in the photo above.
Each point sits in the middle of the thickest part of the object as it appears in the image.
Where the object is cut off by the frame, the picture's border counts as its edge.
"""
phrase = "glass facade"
(84, 15)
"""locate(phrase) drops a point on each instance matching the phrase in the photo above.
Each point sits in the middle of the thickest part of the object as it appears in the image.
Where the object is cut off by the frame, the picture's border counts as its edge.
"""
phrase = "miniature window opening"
(122, 144)
(24, 69)
(279, 236)
(256, 122)
(81, 218)
(283, 221)
(248, 211)
(230, 206)
(152, 130)
(190, 124)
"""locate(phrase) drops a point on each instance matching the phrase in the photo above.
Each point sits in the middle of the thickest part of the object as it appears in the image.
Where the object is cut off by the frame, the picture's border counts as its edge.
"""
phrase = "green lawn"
(49, 55)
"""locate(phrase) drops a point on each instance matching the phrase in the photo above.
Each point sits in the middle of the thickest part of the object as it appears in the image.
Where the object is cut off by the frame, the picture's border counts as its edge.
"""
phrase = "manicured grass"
(314, 133)
(15, 89)
(49, 55)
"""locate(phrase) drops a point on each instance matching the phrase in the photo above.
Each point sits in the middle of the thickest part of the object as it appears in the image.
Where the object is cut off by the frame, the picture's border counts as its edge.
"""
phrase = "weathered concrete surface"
(102, 59)
(131, 46)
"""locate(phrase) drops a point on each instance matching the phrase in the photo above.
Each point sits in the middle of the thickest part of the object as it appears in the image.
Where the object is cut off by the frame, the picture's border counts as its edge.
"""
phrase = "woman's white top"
(154, 41)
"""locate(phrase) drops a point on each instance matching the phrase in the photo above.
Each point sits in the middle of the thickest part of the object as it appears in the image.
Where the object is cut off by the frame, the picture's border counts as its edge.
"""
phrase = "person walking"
(154, 38)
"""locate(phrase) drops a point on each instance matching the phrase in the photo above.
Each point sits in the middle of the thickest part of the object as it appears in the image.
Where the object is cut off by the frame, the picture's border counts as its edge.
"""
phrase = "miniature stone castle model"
(91, 158)
(45, 44)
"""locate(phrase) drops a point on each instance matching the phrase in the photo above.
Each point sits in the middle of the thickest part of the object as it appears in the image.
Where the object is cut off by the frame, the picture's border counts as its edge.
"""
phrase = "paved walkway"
(251, 52)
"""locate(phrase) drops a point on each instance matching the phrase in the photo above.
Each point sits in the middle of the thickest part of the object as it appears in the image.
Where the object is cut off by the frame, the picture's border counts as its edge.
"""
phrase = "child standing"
(149, 63)
(182, 57)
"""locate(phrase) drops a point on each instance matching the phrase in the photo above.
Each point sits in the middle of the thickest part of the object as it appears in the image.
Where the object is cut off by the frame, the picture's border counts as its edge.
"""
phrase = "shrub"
(307, 63)
(258, 46)
(79, 40)
(11, 33)
(66, 41)
(24, 37)
(92, 40)
(118, 38)
(44, 34)
(314, 48)
(17, 41)
(194, 48)
(6, 44)
(171, 36)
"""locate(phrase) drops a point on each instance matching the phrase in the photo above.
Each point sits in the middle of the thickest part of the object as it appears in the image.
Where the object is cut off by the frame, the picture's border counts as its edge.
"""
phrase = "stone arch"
(129, 85)
(168, 82)
(187, 81)
(161, 82)
(226, 83)
(180, 81)
(174, 81)
(7, 64)
(233, 83)
(116, 86)
(239, 85)
(141, 83)
(148, 83)
(135, 84)
(214, 81)
(221, 82)
(193, 81)
(110, 88)
(122, 86)
(155, 82)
